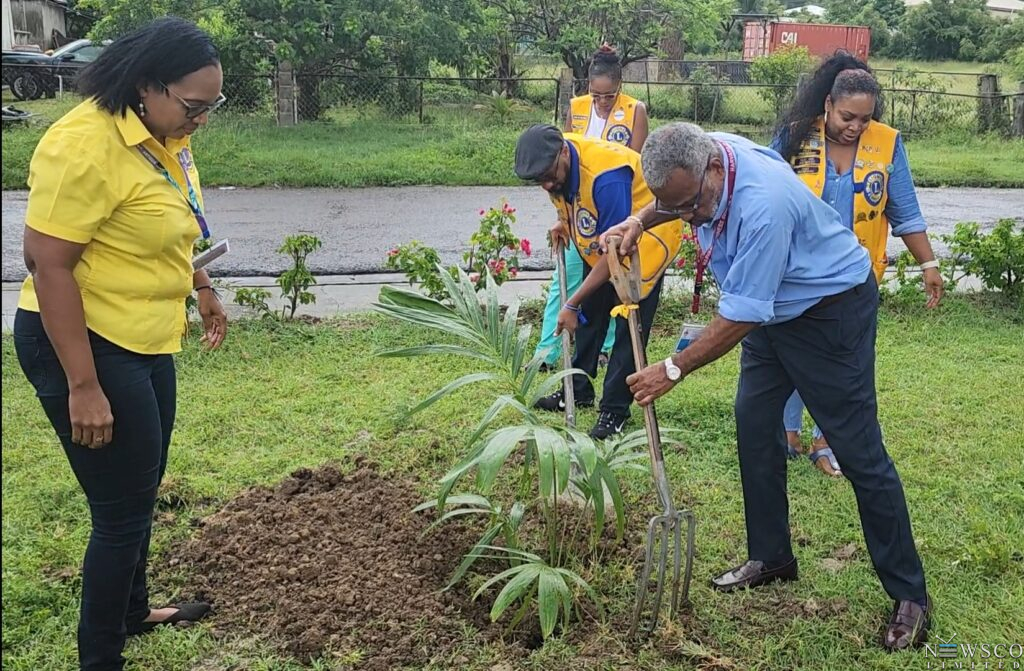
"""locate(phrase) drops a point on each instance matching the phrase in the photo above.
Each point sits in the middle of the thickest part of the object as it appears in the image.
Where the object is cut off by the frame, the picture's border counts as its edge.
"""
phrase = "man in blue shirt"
(798, 291)
(589, 199)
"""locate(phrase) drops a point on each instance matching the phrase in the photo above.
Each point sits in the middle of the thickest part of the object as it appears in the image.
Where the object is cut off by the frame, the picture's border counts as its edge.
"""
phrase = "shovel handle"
(627, 285)
(568, 393)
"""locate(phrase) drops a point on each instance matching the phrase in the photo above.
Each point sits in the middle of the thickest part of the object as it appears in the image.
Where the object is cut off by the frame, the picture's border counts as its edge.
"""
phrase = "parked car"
(31, 75)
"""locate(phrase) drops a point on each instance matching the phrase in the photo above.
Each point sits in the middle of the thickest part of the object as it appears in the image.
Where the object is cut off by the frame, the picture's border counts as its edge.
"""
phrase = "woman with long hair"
(833, 137)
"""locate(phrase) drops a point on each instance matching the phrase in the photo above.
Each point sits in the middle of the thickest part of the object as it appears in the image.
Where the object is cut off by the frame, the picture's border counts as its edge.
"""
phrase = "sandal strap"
(825, 452)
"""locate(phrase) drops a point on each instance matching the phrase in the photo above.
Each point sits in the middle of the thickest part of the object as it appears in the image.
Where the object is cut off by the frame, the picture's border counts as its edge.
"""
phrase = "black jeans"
(120, 480)
(617, 398)
(828, 355)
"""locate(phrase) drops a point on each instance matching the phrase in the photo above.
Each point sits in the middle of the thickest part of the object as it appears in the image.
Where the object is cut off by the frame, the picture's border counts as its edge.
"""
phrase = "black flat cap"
(536, 151)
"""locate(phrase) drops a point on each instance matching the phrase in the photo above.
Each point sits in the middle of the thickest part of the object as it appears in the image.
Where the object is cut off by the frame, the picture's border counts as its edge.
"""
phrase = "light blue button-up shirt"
(783, 249)
(901, 209)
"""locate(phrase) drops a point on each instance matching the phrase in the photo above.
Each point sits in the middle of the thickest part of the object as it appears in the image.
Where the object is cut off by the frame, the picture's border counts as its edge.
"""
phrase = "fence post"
(558, 95)
(421, 101)
(1018, 111)
(284, 92)
(913, 110)
(988, 90)
(565, 92)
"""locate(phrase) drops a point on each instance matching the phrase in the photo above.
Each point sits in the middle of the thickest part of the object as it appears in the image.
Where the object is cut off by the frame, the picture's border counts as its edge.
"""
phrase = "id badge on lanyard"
(189, 195)
(704, 256)
(691, 330)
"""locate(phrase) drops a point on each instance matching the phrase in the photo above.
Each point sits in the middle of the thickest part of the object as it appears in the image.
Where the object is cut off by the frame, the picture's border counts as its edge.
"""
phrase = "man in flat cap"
(594, 185)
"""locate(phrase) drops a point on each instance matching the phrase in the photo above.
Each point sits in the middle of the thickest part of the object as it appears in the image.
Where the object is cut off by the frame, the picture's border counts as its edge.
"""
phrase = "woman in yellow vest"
(604, 113)
(114, 208)
(836, 144)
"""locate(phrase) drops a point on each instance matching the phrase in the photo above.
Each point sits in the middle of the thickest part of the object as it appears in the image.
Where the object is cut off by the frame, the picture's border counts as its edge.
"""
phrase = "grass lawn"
(950, 385)
(454, 148)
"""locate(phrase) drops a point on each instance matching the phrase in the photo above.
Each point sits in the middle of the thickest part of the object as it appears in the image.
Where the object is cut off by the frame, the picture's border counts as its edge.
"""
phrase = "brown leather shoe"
(753, 574)
(908, 626)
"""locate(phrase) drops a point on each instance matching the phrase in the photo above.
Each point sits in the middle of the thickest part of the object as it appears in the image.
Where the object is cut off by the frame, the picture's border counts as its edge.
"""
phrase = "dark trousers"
(120, 480)
(828, 355)
(597, 309)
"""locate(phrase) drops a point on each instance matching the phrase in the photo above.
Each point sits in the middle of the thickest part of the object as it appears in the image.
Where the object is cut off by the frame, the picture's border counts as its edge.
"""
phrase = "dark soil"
(326, 562)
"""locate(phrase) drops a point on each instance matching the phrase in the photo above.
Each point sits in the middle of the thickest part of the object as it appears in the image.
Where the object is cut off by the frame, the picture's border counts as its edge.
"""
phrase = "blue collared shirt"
(782, 249)
(613, 192)
(901, 209)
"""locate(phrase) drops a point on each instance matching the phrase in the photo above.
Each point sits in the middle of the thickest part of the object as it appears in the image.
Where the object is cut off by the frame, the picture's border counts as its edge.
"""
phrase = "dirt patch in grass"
(330, 563)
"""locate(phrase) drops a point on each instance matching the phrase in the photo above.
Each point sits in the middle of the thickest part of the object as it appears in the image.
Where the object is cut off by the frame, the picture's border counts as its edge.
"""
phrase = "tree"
(118, 17)
(1001, 40)
(573, 30)
(891, 10)
(936, 30)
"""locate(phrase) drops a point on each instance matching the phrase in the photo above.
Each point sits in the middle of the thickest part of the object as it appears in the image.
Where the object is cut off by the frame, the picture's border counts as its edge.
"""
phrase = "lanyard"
(704, 256)
(191, 198)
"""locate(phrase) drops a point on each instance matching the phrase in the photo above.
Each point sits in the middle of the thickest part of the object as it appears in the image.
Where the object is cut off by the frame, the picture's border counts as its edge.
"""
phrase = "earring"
(826, 117)
(142, 109)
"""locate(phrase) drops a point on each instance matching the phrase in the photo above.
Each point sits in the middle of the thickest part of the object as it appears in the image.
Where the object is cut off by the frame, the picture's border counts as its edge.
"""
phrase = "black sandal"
(187, 612)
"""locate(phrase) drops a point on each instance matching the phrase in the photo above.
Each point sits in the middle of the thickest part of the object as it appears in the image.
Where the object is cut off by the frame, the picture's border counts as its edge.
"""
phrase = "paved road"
(358, 226)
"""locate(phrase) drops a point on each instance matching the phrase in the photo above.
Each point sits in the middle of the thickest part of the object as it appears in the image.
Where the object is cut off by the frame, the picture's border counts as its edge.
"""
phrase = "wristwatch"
(672, 370)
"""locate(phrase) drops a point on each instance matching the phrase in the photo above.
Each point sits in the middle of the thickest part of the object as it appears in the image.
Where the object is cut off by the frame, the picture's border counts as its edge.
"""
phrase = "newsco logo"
(966, 655)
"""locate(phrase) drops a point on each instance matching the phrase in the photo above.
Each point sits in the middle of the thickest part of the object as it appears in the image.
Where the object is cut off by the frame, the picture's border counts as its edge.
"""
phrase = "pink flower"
(681, 263)
(392, 252)
(513, 271)
(500, 265)
(505, 208)
(511, 210)
(524, 245)
(474, 277)
(491, 264)
(483, 212)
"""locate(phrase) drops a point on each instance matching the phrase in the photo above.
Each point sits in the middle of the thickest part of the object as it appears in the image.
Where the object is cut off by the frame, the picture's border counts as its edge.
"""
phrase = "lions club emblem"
(874, 185)
(586, 223)
(619, 134)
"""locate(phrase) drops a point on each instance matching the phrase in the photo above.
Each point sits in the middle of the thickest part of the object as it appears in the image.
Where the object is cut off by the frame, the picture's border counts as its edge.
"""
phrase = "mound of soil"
(330, 562)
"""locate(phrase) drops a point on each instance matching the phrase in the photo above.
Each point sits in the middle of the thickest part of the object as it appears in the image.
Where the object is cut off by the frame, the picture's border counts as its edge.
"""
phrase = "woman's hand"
(215, 320)
(92, 424)
(933, 286)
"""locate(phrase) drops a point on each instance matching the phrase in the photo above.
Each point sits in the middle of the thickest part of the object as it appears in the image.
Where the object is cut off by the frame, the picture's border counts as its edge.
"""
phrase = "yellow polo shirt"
(89, 184)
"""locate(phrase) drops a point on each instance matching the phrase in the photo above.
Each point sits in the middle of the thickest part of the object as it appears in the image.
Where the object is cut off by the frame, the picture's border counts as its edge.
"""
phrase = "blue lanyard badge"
(190, 198)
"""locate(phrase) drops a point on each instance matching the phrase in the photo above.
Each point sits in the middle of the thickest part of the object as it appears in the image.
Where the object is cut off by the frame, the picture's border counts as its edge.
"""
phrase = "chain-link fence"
(754, 109)
(425, 100)
(248, 94)
(707, 96)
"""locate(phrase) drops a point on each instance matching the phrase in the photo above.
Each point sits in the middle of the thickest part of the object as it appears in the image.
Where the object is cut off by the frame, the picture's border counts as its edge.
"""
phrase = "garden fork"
(568, 393)
(664, 530)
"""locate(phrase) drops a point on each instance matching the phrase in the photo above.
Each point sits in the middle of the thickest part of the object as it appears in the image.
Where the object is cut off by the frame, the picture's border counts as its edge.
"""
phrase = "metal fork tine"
(677, 564)
(667, 527)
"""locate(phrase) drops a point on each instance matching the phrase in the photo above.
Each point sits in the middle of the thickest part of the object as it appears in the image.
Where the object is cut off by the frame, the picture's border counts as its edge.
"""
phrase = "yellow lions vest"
(619, 126)
(658, 246)
(871, 169)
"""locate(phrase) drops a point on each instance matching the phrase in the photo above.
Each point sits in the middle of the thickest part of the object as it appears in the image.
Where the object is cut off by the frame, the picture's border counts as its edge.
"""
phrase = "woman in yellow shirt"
(113, 211)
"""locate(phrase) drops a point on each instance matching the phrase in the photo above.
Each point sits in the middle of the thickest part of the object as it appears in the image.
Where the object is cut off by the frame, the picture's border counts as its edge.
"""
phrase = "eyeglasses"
(609, 97)
(688, 207)
(192, 111)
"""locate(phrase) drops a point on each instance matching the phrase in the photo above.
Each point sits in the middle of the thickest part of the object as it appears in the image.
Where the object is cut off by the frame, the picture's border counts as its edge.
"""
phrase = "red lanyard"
(704, 256)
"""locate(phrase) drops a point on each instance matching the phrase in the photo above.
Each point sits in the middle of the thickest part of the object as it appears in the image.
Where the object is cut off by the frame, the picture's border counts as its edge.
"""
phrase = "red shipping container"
(821, 39)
